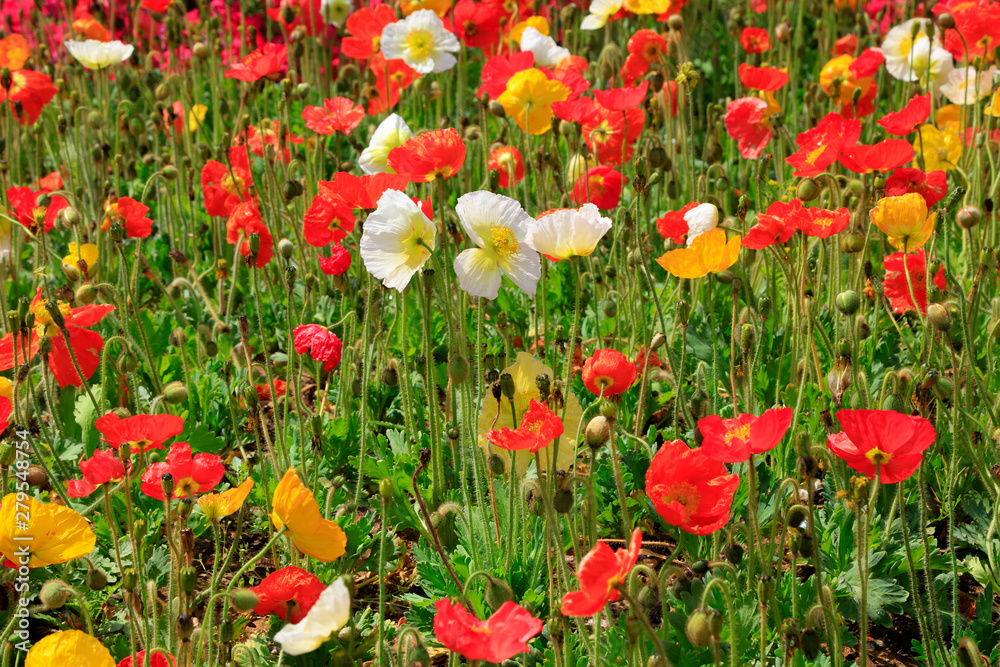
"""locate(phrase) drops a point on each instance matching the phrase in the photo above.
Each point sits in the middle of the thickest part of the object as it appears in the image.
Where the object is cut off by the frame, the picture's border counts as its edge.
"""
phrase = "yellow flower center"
(234, 185)
(823, 222)
(741, 432)
(684, 493)
(503, 241)
(878, 457)
(420, 43)
(44, 326)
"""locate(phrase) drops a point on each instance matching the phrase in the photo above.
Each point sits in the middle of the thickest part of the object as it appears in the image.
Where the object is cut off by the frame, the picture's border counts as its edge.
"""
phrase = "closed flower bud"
(244, 599)
(286, 248)
(939, 317)
(649, 596)
(497, 110)
(809, 641)
(609, 410)
(698, 629)
(54, 594)
(175, 392)
(848, 302)
(458, 369)
(497, 593)
(734, 553)
(562, 501)
(969, 216)
(598, 432)
(188, 579)
(946, 21)
(386, 488)
(418, 656)
(37, 478)
(676, 22)
(96, 579)
(226, 631)
(496, 465)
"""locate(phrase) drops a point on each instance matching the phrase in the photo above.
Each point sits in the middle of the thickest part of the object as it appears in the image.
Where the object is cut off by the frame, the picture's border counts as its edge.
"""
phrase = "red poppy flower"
(337, 263)
(574, 111)
(605, 133)
(264, 390)
(690, 490)
(337, 114)
(601, 185)
(765, 79)
(867, 64)
(244, 221)
(365, 29)
(35, 218)
(640, 359)
(977, 28)
(327, 220)
(568, 76)
(507, 160)
(143, 432)
(131, 215)
(267, 62)
(101, 468)
(884, 156)
(429, 156)
(323, 345)
(225, 187)
(822, 223)
(391, 77)
(51, 181)
(755, 40)
(86, 344)
(822, 145)
(501, 637)
(622, 99)
(736, 440)
(777, 225)
(477, 24)
(362, 191)
(305, 13)
(645, 48)
(908, 118)
(673, 226)
(28, 94)
(600, 573)
(539, 427)
(156, 659)
(498, 70)
(608, 373)
(885, 441)
(748, 124)
(268, 134)
(896, 287)
(191, 474)
(846, 45)
(932, 186)
(289, 593)
(6, 407)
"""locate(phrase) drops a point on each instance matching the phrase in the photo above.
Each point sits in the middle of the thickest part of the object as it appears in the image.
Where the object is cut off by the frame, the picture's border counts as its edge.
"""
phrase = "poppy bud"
(386, 488)
(244, 599)
(390, 376)
(946, 21)
(562, 500)
(734, 553)
(497, 110)
(598, 432)
(250, 397)
(507, 387)
(939, 317)
(968, 217)
(698, 629)
(676, 22)
(968, 653)
(418, 656)
(944, 388)
(848, 302)
(286, 248)
(38, 478)
(497, 593)
(810, 643)
(226, 631)
(54, 594)
(610, 308)
(130, 579)
(458, 369)
(185, 626)
(96, 579)
(188, 579)
(609, 410)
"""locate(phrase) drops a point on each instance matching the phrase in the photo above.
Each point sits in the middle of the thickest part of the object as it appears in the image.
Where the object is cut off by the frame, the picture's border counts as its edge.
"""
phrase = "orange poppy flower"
(296, 510)
(708, 253)
(429, 156)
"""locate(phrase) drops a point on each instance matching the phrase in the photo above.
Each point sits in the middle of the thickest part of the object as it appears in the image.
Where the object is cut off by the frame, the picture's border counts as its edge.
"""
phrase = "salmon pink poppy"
(51, 181)
(885, 443)
(847, 44)
(755, 40)
(29, 213)
(244, 221)
(365, 31)
(601, 186)
(224, 187)
(883, 157)
(505, 634)
(268, 134)
(689, 490)
(645, 48)
(736, 440)
(908, 118)
(289, 593)
(822, 223)
(101, 468)
(776, 225)
(140, 432)
(322, 344)
(73, 322)
(599, 574)
(932, 186)
(507, 161)
(267, 62)
(822, 145)
(897, 288)
(337, 263)
(622, 99)
(191, 474)
(28, 94)
(429, 156)
(748, 124)
(539, 427)
(608, 373)
(338, 114)
(131, 215)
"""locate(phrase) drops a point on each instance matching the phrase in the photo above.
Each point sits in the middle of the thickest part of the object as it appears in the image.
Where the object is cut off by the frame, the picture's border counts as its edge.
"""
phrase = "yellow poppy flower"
(940, 148)
(6, 388)
(217, 505)
(87, 252)
(708, 253)
(838, 81)
(296, 510)
(494, 416)
(439, 7)
(196, 117)
(537, 22)
(52, 534)
(904, 220)
(70, 647)
(647, 6)
(950, 116)
(528, 100)
(993, 108)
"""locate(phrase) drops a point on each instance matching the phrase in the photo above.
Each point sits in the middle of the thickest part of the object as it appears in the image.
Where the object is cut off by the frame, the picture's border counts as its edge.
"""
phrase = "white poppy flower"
(335, 12)
(331, 612)
(547, 52)
(915, 58)
(568, 232)
(496, 224)
(93, 54)
(391, 133)
(967, 86)
(422, 41)
(702, 218)
(397, 240)
(600, 12)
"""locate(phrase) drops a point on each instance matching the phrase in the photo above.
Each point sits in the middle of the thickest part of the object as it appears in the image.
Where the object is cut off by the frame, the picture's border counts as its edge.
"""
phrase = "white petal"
(331, 612)
(701, 219)
(524, 268)
(478, 274)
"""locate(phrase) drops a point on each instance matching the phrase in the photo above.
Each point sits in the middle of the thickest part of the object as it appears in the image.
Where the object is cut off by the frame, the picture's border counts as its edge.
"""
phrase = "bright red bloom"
(539, 427)
(622, 99)
(244, 221)
(821, 146)
(225, 187)
(600, 573)
(755, 40)
(131, 215)
(143, 432)
(608, 373)
(673, 226)
(268, 62)
(748, 124)
(822, 223)
(867, 64)
(507, 160)
(24, 201)
(328, 219)
(977, 26)
(156, 659)
(51, 181)
(690, 490)
(847, 44)
(429, 156)
(601, 185)
(908, 118)
(86, 344)
(191, 474)
(306, 13)
(765, 79)
(884, 156)
(29, 93)
(264, 390)
(365, 29)
(897, 290)
(477, 24)
(361, 191)
(883, 441)
(391, 77)
(777, 225)
(501, 637)
(605, 133)
(337, 263)
(645, 48)
(6, 407)
(288, 593)
(101, 468)
(323, 345)
(736, 440)
(932, 186)
(569, 72)
(498, 70)
(268, 134)
(337, 114)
